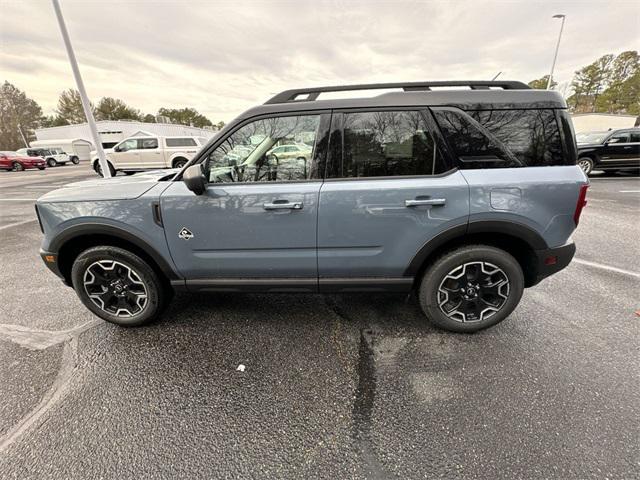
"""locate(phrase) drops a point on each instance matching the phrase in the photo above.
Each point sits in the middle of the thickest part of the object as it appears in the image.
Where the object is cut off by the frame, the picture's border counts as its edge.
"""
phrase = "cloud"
(222, 57)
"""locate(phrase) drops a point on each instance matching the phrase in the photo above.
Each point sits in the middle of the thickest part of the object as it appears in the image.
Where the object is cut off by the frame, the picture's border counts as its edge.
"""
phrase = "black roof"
(480, 95)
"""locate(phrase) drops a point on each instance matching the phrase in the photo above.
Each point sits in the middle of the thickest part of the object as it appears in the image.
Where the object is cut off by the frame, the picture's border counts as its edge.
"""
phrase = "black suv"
(613, 150)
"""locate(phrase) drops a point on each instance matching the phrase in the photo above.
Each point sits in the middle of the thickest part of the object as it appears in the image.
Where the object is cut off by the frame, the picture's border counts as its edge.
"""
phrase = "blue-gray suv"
(465, 195)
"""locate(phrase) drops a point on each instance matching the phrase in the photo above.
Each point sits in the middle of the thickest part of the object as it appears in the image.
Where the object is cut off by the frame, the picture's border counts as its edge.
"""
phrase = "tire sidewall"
(591, 164)
(428, 291)
(145, 272)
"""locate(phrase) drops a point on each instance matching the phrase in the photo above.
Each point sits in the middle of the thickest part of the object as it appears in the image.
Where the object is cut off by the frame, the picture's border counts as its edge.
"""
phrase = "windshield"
(8, 153)
(591, 137)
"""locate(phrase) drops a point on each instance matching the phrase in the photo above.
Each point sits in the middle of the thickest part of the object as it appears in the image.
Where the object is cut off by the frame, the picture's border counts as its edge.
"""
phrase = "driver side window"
(127, 145)
(254, 153)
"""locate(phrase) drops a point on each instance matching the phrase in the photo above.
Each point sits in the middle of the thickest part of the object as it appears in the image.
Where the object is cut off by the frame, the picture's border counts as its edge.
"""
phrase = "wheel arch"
(518, 240)
(77, 239)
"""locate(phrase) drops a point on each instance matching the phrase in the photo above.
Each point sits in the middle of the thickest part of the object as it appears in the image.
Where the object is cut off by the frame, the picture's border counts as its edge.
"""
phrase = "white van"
(136, 154)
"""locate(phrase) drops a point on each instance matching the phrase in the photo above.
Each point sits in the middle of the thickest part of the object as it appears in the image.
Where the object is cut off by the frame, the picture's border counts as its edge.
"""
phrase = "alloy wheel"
(473, 292)
(115, 288)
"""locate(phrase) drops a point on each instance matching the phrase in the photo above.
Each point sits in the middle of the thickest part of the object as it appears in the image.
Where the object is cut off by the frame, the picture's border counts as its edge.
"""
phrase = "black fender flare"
(87, 229)
(457, 232)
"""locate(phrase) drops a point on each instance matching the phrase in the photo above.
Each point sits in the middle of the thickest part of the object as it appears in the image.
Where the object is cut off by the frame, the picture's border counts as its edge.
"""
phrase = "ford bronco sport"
(465, 196)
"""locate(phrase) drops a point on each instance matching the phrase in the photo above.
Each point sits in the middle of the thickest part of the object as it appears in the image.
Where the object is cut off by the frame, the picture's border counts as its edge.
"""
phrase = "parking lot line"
(4, 227)
(18, 199)
(606, 267)
(629, 191)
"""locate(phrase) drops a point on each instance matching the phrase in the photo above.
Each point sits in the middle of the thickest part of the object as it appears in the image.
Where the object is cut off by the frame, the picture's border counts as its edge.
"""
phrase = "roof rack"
(311, 94)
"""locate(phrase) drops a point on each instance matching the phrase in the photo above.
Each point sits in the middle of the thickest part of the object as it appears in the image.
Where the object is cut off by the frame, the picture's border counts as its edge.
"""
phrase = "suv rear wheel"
(471, 288)
(118, 286)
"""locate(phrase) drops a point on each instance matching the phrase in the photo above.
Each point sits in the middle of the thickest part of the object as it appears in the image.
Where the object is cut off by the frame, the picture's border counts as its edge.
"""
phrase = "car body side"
(529, 211)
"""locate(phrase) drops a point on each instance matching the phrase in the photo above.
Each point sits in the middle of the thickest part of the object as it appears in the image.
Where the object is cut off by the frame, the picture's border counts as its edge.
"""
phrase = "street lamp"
(102, 160)
(555, 56)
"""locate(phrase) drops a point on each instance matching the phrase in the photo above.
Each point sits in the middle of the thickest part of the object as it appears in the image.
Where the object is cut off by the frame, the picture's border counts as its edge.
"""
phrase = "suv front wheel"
(118, 286)
(471, 288)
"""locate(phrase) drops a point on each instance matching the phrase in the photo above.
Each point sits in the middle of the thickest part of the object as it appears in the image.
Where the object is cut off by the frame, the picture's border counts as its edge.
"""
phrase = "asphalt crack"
(40, 340)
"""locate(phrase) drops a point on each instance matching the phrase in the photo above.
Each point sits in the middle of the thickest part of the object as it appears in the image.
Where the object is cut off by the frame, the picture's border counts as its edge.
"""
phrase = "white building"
(113, 131)
(598, 122)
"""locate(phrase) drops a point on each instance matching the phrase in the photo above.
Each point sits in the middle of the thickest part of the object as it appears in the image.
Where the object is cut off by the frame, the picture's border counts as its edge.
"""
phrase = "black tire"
(140, 279)
(129, 173)
(179, 162)
(474, 257)
(586, 164)
(98, 169)
(52, 162)
(17, 167)
(41, 168)
(75, 160)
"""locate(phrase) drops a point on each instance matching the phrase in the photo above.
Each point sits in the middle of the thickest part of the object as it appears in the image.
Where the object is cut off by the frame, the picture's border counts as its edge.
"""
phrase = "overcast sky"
(222, 57)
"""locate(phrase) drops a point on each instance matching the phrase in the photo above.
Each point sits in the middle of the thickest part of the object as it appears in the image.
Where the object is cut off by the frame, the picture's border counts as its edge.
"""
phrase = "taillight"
(582, 202)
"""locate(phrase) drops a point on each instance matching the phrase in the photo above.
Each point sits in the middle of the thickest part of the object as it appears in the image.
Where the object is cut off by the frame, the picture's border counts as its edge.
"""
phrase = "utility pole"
(86, 105)
(555, 55)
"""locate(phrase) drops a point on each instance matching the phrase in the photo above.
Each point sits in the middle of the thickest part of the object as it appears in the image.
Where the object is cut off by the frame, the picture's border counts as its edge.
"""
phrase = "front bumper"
(51, 261)
(552, 260)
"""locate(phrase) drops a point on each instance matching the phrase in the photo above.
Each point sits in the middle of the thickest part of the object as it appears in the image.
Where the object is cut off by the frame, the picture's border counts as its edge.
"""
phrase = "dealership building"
(114, 131)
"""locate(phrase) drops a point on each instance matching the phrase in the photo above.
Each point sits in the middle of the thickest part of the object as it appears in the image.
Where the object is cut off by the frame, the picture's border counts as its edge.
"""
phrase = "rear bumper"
(552, 260)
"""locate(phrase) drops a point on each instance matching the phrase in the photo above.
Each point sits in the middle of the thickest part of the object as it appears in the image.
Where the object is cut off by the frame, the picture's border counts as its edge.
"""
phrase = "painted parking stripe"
(4, 227)
(18, 199)
(606, 267)
(629, 191)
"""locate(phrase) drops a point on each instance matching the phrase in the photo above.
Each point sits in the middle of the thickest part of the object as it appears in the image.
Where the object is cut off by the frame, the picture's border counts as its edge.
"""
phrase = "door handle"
(282, 206)
(427, 201)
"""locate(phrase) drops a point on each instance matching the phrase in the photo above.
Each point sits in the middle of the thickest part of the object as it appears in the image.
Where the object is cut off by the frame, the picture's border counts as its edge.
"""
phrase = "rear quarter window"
(503, 138)
(532, 136)
(181, 142)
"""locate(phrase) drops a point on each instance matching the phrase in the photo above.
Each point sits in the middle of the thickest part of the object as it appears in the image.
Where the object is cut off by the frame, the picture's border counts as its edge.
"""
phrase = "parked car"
(53, 156)
(614, 150)
(466, 197)
(137, 154)
(15, 162)
(76, 148)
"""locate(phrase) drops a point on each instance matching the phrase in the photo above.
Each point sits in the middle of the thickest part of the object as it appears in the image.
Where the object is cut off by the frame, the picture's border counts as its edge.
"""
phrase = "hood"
(115, 188)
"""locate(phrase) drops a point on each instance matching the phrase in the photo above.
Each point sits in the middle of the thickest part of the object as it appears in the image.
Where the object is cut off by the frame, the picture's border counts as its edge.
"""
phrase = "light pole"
(555, 55)
(86, 106)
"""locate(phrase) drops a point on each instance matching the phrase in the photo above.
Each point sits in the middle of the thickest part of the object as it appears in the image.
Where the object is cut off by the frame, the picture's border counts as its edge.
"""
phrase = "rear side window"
(385, 144)
(181, 142)
(635, 137)
(532, 136)
(503, 138)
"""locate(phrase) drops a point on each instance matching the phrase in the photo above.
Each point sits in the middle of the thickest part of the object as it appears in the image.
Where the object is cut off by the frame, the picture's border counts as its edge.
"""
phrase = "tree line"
(611, 84)
(21, 115)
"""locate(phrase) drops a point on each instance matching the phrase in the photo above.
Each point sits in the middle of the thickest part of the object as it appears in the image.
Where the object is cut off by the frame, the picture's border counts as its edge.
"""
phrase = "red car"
(16, 163)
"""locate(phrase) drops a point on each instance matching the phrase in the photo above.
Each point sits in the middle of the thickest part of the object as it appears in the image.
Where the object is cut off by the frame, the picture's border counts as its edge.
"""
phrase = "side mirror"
(194, 179)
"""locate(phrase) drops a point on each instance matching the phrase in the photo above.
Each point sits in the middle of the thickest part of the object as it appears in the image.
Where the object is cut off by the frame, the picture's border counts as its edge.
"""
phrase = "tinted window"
(181, 142)
(635, 137)
(532, 136)
(622, 137)
(472, 143)
(383, 144)
(148, 143)
(248, 155)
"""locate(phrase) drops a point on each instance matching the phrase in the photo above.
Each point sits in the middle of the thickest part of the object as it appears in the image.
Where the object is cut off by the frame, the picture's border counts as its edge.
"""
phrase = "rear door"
(255, 226)
(149, 153)
(390, 188)
(622, 149)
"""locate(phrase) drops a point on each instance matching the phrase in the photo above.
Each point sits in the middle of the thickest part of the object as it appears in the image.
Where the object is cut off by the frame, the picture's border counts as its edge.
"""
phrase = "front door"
(256, 223)
(386, 194)
(125, 154)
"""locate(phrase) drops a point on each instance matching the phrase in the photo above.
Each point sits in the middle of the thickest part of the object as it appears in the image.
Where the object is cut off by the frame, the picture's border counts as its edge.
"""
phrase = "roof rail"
(311, 94)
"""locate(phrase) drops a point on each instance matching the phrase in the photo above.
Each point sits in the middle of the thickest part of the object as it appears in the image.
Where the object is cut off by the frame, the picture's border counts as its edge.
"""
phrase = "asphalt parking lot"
(334, 386)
